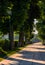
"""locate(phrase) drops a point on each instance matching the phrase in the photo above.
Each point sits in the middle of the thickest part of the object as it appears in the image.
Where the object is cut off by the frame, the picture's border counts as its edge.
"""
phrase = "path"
(33, 54)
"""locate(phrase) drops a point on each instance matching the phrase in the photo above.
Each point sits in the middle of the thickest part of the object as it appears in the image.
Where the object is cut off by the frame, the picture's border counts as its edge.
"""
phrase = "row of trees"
(13, 15)
(18, 16)
(41, 24)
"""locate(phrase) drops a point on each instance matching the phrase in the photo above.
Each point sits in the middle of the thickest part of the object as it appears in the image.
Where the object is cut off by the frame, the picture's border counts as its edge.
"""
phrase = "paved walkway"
(33, 54)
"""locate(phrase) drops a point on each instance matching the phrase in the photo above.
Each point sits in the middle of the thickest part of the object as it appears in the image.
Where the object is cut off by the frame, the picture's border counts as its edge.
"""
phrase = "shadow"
(38, 48)
(29, 57)
(33, 55)
(22, 62)
(36, 41)
(41, 48)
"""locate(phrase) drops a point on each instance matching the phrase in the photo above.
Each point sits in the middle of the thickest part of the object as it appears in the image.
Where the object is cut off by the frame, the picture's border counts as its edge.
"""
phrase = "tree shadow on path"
(29, 57)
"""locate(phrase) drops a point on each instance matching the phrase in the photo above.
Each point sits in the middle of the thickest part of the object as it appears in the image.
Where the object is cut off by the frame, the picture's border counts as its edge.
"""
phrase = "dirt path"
(31, 55)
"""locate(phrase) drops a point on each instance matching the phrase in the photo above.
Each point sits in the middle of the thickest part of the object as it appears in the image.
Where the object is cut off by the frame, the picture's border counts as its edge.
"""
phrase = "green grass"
(2, 53)
(10, 52)
(17, 49)
(13, 51)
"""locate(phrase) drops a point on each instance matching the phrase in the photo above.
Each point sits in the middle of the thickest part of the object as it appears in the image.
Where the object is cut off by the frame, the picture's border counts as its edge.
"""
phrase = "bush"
(5, 44)
(2, 53)
(2, 43)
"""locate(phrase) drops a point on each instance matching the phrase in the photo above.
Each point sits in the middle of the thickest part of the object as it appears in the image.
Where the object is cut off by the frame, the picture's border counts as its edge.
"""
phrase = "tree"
(19, 15)
(21, 11)
(41, 24)
(6, 19)
(33, 13)
(41, 30)
(24, 13)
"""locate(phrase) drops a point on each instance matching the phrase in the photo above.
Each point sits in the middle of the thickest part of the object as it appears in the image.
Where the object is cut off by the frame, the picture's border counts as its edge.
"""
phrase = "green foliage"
(5, 44)
(19, 13)
(42, 36)
(22, 14)
(2, 53)
(34, 9)
(42, 8)
(4, 28)
(41, 29)
(2, 43)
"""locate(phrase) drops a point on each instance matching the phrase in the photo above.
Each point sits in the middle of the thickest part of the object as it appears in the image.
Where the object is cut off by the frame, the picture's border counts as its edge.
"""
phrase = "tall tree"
(19, 15)
(41, 23)
(41, 30)
(24, 13)
(7, 26)
(34, 12)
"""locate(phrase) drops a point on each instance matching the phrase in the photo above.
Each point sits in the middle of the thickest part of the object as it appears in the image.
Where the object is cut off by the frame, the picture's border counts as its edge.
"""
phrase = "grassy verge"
(11, 52)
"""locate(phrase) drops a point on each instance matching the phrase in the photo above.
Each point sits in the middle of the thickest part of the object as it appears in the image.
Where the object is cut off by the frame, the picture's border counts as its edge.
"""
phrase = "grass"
(17, 49)
(13, 51)
(2, 53)
(1, 59)
(2, 56)
(10, 52)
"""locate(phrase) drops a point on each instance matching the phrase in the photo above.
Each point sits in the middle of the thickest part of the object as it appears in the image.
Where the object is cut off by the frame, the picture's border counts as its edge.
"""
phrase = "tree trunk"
(43, 42)
(21, 38)
(27, 38)
(11, 39)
